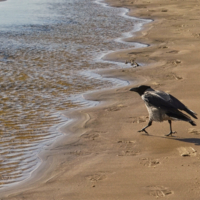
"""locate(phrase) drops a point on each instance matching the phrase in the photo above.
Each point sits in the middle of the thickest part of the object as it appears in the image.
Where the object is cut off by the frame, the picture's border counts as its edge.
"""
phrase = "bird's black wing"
(165, 101)
(181, 106)
(158, 99)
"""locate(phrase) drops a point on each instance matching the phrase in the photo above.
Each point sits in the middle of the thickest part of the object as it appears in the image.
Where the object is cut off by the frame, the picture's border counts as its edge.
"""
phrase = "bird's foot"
(143, 130)
(170, 134)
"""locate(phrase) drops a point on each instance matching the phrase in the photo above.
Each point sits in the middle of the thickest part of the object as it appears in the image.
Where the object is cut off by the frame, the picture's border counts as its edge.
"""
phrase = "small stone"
(132, 62)
(137, 65)
(185, 154)
(178, 61)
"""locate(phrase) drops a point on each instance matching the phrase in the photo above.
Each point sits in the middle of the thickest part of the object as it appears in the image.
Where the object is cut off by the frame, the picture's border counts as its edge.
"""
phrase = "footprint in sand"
(164, 10)
(115, 108)
(126, 142)
(197, 35)
(138, 120)
(163, 47)
(173, 51)
(150, 162)
(187, 151)
(80, 153)
(177, 77)
(126, 147)
(90, 136)
(172, 76)
(128, 153)
(194, 131)
(97, 177)
(159, 191)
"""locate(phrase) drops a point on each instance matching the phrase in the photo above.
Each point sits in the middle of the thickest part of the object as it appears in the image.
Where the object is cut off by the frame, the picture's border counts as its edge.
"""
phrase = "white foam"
(134, 45)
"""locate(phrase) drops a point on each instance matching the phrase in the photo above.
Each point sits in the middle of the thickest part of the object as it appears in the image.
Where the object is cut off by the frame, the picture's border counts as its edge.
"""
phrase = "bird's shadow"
(195, 141)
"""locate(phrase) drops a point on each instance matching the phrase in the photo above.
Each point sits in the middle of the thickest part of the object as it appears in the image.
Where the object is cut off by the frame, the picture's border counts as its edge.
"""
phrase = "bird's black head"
(141, 89)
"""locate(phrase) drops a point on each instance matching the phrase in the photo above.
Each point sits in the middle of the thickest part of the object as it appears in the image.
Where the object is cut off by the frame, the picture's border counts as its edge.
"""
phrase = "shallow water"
(47, 51)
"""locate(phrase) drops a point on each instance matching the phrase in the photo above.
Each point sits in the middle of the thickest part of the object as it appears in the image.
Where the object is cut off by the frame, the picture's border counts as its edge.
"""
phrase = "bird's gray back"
(162, 100)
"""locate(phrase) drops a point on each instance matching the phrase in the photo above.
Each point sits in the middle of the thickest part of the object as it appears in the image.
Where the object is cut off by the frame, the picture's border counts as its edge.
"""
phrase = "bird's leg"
(143, 130)
(170, 125)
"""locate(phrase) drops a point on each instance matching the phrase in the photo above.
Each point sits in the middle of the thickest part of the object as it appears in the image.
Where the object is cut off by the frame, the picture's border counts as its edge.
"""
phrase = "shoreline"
(106, 158)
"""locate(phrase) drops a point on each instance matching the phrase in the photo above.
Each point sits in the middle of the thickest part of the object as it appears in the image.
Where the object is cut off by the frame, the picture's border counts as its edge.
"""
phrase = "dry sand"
(105, 157)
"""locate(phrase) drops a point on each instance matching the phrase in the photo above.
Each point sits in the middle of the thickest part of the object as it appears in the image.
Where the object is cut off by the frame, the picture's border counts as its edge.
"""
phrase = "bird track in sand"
(159, 191)
(187, 151)
(137, 120)
(150, 162)
(126, 148)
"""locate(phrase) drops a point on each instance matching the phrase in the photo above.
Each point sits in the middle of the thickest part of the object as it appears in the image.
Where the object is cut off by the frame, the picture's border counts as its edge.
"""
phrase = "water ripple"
(46, 66)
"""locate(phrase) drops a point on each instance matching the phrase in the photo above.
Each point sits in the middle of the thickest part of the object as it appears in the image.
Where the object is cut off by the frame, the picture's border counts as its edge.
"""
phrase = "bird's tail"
(177, 115)
(192, 123)
(193, 114)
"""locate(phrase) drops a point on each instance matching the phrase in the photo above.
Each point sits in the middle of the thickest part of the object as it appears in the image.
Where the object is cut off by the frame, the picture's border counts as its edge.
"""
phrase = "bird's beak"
(134, 89)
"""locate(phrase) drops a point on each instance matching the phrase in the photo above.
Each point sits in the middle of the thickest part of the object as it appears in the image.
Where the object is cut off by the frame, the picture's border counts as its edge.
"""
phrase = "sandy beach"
(104, 157)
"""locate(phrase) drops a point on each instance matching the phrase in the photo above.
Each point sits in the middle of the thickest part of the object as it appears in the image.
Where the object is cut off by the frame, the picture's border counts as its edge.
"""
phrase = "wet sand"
(42, 75)
(105, 157)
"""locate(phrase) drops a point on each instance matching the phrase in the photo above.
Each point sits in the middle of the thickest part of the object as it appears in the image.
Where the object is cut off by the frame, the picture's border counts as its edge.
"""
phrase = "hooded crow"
(163, 106)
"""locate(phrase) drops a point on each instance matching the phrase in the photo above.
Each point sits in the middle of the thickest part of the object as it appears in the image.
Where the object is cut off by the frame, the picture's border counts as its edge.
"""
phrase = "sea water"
(48, 51)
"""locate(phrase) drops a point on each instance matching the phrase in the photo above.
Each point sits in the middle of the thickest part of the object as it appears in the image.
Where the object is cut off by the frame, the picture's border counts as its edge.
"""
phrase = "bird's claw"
(170, 134)
(143, 130)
